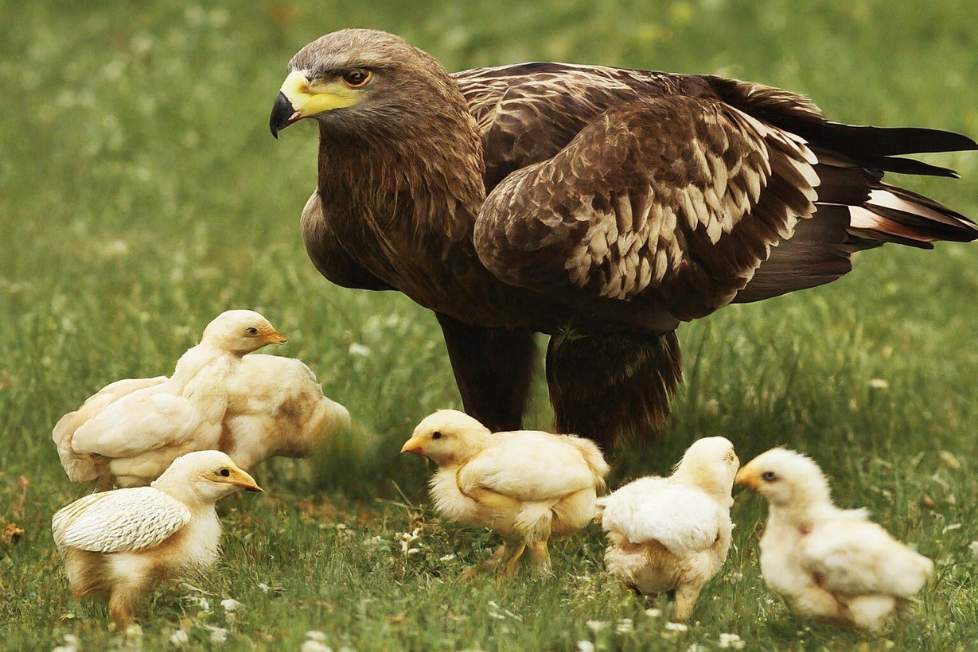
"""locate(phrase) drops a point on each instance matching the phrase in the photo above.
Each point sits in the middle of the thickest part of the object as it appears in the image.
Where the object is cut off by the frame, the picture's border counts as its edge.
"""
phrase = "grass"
(140, 195)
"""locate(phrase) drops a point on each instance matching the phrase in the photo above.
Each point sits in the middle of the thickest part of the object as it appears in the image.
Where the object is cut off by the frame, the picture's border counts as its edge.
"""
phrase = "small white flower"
(731, 641)
(315, 646)
(973, 547)
(596, 625)
(624, 626)
(316, 635)
(450, 556)
(653, 613)
(230, 605)
(951, 527)
(413, 551)
(359, 350)
(585, 646)
(201, 602)
(179, 638)
(676, 627)
(218, 634)
(879, 383)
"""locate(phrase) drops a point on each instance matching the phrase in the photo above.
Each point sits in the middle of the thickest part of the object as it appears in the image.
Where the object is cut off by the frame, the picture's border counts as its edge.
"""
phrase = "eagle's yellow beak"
(413, 445)
(747, 477)
(241, 479)
(301, 98)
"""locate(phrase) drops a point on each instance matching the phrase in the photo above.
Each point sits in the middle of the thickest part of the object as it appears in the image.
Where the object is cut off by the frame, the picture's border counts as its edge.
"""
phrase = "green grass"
(140, 195)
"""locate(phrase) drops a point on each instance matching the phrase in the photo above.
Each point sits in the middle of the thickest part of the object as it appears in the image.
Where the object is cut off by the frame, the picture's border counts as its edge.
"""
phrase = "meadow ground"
(141, 194)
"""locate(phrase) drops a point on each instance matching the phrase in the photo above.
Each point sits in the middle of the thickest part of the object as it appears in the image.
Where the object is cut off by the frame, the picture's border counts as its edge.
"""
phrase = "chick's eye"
(251, 331)
(768, 476)
(436, 435)
(225, 472)
(357, 78)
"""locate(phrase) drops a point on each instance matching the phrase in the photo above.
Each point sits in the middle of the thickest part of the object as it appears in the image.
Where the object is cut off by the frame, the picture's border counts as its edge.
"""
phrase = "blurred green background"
(141, 194)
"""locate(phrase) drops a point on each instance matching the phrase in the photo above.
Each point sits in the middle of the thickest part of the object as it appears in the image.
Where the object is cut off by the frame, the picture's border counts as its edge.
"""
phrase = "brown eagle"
(601, 206)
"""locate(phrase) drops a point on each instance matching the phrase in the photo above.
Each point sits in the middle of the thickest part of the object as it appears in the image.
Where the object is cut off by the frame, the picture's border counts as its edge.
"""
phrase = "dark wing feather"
(673, 201)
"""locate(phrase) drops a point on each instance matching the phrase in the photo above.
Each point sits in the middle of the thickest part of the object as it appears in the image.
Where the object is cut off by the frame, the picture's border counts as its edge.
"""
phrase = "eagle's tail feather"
(612, 385)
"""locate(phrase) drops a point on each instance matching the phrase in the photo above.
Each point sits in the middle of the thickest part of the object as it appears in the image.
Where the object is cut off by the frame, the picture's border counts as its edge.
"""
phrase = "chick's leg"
(488, 565)
(685, 601)
(513, 562)
(123, 600)
(541, 557)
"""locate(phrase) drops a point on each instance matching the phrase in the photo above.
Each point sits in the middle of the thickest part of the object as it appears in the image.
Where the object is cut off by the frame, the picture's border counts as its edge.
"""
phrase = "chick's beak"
(412, 445)
(272, 336)
(747, 477)
(283, 114)
(241, 479)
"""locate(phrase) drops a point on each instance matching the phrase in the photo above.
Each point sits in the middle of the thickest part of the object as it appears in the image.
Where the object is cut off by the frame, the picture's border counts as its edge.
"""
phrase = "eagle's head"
(361, 80)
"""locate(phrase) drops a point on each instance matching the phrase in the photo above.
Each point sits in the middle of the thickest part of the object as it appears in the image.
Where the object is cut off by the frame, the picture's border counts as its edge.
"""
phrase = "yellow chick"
(673, 534)
(219, 397)
(119, 543)
(525, 485)
(827, 562)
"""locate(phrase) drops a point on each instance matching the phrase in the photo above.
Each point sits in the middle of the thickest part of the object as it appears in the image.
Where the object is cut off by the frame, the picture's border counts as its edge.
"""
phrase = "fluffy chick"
(119, 543)
(827, 562)
(219, 397)
(525, 485)
(673, 534)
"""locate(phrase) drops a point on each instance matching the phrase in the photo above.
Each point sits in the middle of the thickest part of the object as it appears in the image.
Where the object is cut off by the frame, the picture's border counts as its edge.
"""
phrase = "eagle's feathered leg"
(607, 386)
(493, 368)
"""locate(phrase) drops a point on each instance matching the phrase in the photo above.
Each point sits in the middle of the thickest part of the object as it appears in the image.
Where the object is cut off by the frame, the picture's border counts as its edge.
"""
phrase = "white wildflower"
(179, 638)
(218, 634)
(316, 635)
(624, 626)
(450, 556)
(585, 646)
(951, 527)
(731, 641)
(202, 603)
(230, 605)
(359, 350)
(878, 383)
(407, 538)
(315, 646)
(71, 644)
(596, 625)
(677, 627)
(653, 613)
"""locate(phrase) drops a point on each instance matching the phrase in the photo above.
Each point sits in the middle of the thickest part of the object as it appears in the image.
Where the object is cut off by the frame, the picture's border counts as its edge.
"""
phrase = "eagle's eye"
(357, 78)
(225, 472)
(436, 434)
(251, 330)
(768, 476)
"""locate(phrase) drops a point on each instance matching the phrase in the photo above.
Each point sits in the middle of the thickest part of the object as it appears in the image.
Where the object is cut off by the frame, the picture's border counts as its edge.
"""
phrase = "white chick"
(525, 485)
(673, 534)
(276, 407)
(119, 543)
(824, 561)
(250, 406)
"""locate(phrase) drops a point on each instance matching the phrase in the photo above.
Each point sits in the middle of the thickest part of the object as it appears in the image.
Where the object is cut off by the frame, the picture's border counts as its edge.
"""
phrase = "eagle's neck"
(419, 175)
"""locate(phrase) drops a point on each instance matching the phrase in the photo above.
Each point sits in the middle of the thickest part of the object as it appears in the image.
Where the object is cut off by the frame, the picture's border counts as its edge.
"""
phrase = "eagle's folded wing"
(674, 201)
(121, 520)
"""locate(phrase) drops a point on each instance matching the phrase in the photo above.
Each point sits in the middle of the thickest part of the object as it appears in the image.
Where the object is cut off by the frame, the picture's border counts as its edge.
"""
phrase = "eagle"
(600, 206)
